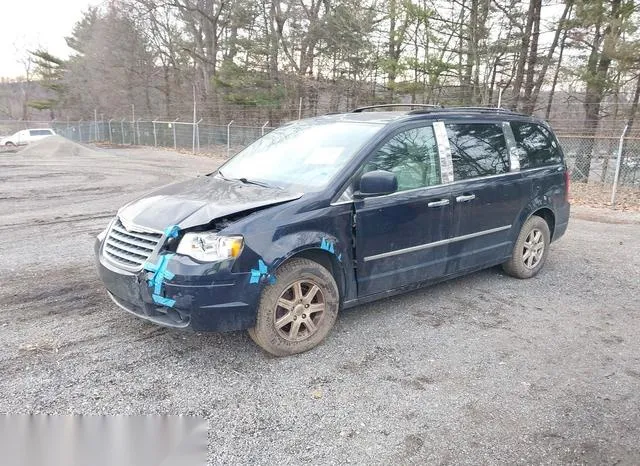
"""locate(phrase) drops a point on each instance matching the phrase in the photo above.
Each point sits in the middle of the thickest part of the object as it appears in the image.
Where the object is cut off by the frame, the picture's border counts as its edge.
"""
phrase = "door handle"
(466, 198)
(440, 203)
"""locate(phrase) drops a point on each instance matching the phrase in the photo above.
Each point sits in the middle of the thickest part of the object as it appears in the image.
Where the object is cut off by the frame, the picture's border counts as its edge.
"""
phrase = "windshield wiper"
(257, 183)
(248, 181)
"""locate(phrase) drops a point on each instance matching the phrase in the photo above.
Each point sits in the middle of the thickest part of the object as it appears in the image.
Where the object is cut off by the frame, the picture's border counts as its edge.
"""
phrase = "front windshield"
(303, 156)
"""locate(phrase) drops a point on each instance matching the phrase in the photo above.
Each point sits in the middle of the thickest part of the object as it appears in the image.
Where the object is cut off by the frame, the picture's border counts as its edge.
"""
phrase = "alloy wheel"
(299, 310)
(533, 249)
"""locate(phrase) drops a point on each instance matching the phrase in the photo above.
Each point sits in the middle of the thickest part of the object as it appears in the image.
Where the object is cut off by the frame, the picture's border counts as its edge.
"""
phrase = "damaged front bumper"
(205, 297)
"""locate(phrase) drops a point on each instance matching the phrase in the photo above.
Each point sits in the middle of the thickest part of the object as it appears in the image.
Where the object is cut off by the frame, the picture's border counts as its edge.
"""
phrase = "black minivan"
(327, 213)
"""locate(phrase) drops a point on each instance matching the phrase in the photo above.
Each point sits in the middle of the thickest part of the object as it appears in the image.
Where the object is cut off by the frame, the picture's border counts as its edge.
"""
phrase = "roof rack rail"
(369, 107)
(488, 109)
(457, 109)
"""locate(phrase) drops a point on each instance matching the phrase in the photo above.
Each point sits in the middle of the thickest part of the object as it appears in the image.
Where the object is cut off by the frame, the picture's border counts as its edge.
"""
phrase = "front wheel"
(297, 311)
(9, 144)
(530, 250)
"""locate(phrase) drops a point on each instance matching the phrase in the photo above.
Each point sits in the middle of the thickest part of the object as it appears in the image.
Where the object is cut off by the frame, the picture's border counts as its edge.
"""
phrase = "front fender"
(294, 244)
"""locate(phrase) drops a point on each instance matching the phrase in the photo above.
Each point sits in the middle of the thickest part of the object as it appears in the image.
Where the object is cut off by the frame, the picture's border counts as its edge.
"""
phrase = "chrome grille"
(129, 247)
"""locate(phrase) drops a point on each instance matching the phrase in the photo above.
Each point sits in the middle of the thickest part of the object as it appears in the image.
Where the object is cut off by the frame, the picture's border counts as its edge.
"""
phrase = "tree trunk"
(634, 106)
(556, 74)
(532, 59)
(597, 69)
(522, 57)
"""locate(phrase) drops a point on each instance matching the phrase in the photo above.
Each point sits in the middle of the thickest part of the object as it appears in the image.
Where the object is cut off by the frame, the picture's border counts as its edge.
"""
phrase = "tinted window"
(40, 132)
(412, 155)
(477, 149)
(539, 146)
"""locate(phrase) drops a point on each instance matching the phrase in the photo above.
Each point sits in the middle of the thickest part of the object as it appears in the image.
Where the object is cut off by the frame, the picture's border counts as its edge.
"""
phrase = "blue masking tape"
(172, 231)
(256, 274)
(160, 273)
(327, 246)
(163, 301)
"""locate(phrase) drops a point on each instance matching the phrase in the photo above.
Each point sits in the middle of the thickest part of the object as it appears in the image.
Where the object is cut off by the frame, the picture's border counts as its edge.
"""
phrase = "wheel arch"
(548, 216)
(326, 260)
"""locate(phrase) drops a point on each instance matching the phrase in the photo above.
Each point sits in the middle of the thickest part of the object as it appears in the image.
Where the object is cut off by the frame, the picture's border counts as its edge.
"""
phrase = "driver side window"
(412, 156)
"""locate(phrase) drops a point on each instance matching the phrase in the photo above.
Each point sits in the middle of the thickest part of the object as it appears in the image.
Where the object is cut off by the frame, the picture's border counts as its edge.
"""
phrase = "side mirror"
(377, 183)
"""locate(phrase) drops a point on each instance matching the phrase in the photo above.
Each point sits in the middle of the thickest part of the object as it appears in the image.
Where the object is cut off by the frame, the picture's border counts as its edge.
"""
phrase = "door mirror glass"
(377, 183)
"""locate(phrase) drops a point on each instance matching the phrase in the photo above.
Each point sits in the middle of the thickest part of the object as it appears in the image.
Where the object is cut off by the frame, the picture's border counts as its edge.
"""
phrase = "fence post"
(80, 130)
(263, 127)
(198, 135)
(155, 138)
(110, 134)
(138, 130)
(618, 162)
(175, 142)
(228, 138)
(122, 130)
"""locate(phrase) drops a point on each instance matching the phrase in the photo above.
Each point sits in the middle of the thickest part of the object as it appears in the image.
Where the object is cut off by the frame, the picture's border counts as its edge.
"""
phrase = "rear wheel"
(530, 250)
(297, 311)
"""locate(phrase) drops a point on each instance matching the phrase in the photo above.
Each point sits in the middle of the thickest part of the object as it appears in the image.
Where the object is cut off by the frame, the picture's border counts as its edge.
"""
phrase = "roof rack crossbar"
(369, 107)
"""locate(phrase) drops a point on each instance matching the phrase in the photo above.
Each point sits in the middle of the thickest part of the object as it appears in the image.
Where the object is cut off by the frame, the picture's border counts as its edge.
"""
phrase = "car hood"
(198, 202)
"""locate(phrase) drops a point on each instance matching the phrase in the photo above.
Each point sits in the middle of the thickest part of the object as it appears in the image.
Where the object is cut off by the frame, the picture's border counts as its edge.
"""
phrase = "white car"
(26, 136)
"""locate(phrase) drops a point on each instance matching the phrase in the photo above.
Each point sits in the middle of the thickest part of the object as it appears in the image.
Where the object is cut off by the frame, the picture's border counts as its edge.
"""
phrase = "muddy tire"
(530, 250)
(296, 312)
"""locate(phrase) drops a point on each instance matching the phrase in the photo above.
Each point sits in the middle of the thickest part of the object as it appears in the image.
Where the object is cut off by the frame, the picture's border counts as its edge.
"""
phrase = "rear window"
(540, 148)
(40, 132)
(477, 149)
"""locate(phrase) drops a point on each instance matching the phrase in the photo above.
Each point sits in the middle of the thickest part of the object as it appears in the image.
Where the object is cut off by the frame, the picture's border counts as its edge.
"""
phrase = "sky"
(29, 24)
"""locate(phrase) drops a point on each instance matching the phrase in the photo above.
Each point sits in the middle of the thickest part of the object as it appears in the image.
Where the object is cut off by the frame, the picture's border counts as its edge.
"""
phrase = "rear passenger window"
(412, 156)
(40, 132)
(477, 149)
(540, 147)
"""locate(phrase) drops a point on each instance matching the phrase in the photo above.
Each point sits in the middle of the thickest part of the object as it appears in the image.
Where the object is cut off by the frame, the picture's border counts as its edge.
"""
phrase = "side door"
(488, 194)
(401, 238)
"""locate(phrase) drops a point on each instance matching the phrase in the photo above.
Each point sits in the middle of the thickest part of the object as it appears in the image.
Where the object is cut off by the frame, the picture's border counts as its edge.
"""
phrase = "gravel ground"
(483, 369)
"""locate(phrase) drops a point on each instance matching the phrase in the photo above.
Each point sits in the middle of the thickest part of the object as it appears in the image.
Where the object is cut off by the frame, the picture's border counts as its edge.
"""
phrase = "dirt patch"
(599, 195)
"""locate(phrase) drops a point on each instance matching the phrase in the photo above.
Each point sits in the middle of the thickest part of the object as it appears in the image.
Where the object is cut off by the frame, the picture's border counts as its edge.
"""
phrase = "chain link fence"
(605, 151)
(198, 138)
(609, 154)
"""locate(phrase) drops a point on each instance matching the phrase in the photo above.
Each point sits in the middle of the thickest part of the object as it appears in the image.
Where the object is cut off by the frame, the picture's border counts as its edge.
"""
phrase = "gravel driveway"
(483, 369)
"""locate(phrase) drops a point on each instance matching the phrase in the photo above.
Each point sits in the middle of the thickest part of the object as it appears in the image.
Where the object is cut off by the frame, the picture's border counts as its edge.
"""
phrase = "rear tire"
(530, 250)
(296, 313)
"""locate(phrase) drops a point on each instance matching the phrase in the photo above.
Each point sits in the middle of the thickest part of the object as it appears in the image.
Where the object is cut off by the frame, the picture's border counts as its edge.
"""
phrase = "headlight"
(209, 247)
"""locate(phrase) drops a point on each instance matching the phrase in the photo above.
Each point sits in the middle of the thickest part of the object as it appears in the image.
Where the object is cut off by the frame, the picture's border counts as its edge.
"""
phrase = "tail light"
(566, 185)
